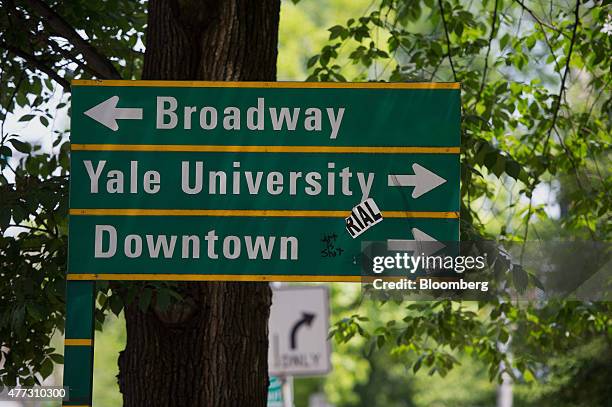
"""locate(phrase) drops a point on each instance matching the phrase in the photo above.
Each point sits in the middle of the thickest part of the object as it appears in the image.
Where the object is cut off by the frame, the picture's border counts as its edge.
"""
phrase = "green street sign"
(255, 181)
(249, 181)
(275, 392)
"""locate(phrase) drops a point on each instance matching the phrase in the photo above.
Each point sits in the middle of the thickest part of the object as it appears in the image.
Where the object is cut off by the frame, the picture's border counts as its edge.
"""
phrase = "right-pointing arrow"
(107, 113)
(422, 243)
(423, 180)
(306, 319)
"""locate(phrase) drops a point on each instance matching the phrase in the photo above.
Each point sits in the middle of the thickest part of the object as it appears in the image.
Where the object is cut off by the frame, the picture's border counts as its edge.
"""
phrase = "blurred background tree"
(535, 165)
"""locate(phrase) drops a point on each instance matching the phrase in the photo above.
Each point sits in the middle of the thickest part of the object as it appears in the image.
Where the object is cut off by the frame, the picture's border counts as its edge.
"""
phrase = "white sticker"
(363, 216)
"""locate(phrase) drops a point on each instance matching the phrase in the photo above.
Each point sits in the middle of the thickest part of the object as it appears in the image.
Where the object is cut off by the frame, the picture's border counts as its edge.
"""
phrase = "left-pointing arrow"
(423, 180)
(107, 113)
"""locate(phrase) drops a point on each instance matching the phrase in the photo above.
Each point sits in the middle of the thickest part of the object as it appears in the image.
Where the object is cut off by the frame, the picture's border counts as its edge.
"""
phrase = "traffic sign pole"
(287, 390)
(79, 342)
(286, 381)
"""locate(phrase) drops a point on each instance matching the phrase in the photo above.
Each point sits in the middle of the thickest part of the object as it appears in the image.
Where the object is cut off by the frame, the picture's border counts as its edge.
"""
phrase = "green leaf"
(5, 219)
(528, 376)
(503, 336)
(417, 364)
(520, 278)
(21, 146)
(26, 118)
(324, 59)
(490, 160)
(46, 368)
(313, 60)
(33, 310)
(437, 49)
(393, 43)
(19, 214)
(6, 151)
(504, 41)
(115, 303)
(57, 358)
(513, 169)
(500, 165)
(459, 29)
(337, 31)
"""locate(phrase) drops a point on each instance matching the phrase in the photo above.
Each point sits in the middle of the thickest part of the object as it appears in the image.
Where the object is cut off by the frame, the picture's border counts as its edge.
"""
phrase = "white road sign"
(299, 324)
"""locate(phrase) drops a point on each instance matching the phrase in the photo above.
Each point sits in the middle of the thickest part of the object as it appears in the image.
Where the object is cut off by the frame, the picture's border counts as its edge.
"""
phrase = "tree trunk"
(211, 350)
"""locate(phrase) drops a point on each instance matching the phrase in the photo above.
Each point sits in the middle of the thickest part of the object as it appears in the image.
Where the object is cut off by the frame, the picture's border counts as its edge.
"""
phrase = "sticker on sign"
(363, 216)
(299, 323)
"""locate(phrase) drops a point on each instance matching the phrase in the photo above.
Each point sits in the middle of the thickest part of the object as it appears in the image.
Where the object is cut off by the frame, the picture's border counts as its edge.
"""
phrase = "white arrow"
(422, 243)
(107, 113)
(423, 180)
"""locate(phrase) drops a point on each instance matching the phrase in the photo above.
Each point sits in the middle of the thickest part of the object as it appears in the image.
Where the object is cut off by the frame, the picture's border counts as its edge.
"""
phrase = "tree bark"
(212, 349)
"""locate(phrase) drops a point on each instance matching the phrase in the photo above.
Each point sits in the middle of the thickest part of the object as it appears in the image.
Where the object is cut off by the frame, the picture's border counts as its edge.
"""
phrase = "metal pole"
(79, 339)
(287, 391)
(286, 381)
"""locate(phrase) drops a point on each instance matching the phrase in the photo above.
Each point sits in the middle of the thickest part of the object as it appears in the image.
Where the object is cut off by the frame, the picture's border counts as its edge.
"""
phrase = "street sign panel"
(255, 181)
(275, 392)
(299, 324)
(267, 249)
(220, 180)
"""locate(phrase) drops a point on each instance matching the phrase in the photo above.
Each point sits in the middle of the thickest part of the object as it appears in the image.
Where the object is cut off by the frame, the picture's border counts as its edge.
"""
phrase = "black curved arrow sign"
(306, 320)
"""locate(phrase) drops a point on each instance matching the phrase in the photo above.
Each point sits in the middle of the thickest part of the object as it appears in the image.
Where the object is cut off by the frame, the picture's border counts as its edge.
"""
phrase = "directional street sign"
(252, 181)
(299, 323)
(275, 392)
(256, 181)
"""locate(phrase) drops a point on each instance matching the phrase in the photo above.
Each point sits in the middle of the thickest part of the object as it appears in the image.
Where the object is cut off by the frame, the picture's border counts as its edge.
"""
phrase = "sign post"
(201, 181)
(79, 342)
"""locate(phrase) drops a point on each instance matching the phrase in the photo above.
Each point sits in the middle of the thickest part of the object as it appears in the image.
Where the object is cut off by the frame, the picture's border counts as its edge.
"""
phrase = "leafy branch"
(95, 60)
(448, 41)
(36, 63)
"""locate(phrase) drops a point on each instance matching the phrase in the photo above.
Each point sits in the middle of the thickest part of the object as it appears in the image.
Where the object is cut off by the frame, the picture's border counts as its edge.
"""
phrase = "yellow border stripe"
(254, 213)
(78, 342)
(427, 215)
(213, 277)
(264, 149)
(282, 85)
